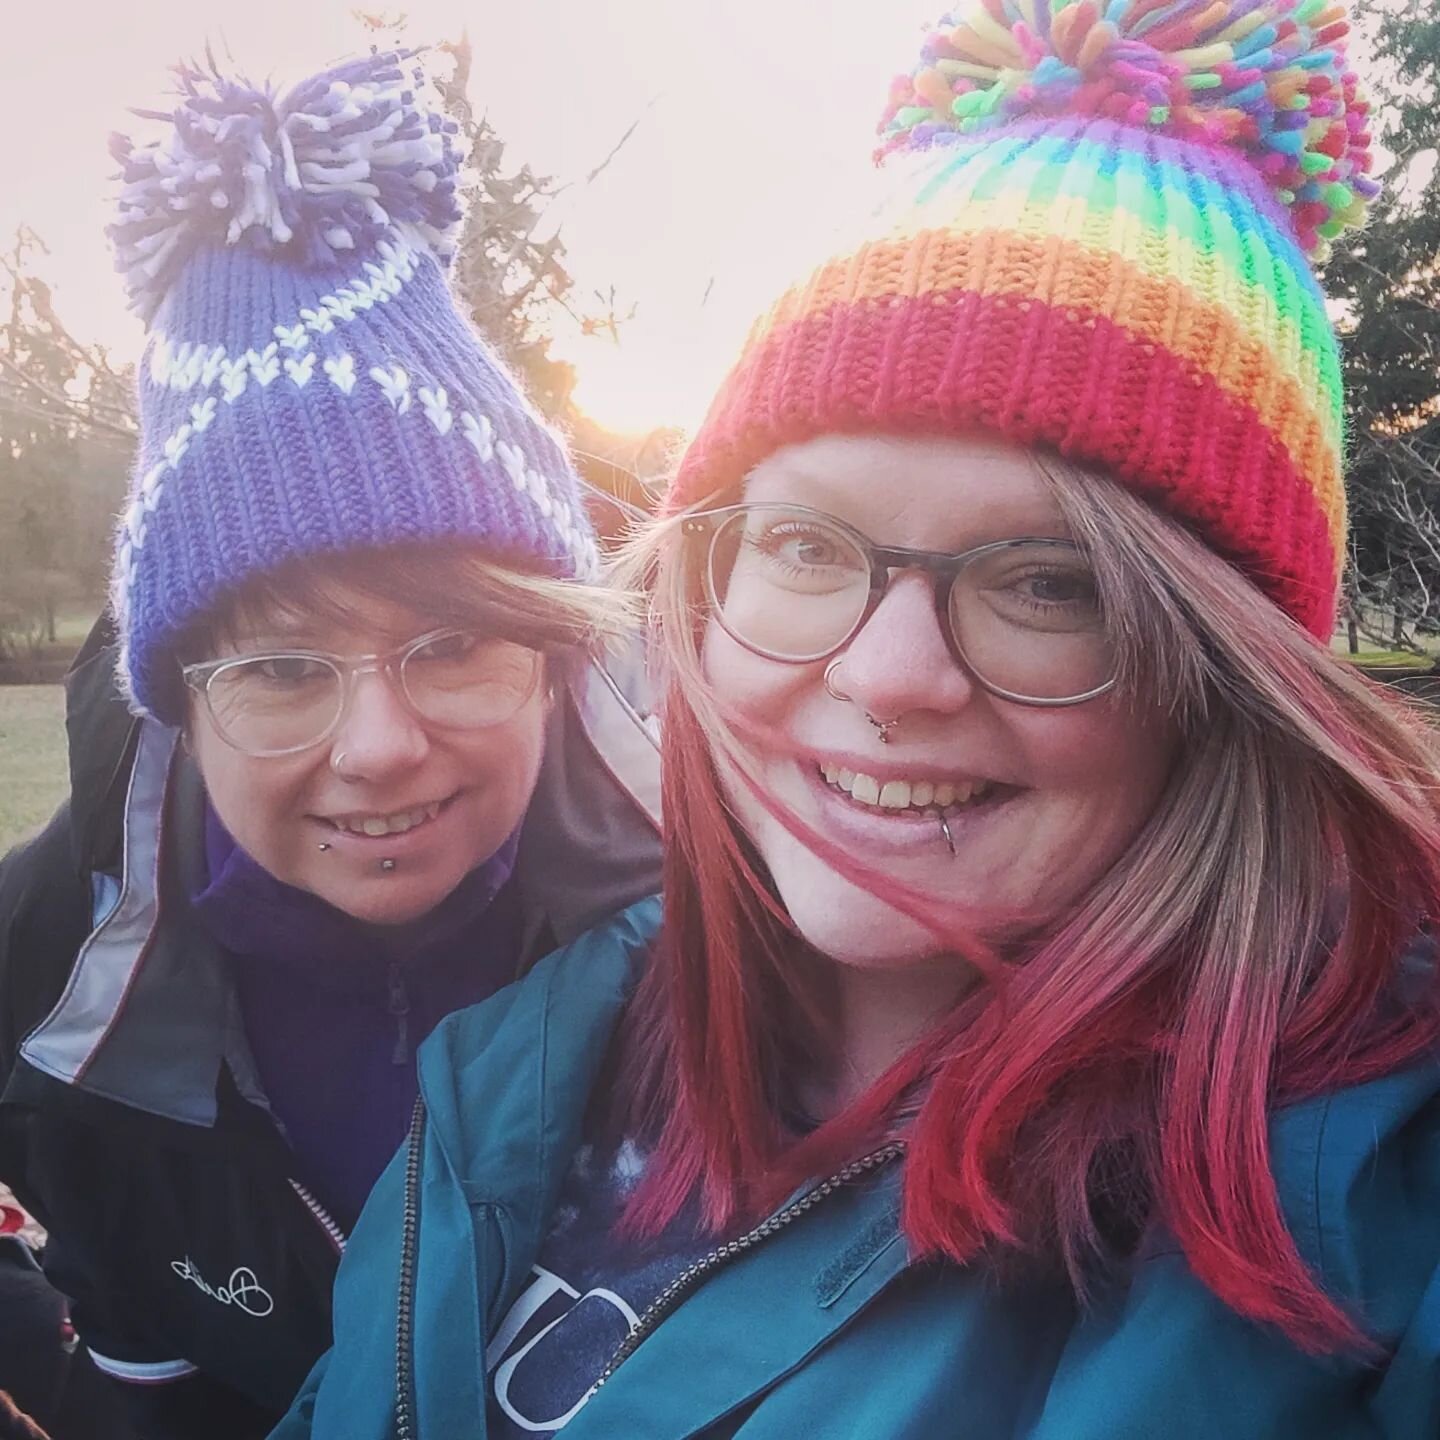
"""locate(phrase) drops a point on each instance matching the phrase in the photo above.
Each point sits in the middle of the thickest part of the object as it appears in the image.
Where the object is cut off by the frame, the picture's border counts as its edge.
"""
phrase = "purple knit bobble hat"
(309, 386)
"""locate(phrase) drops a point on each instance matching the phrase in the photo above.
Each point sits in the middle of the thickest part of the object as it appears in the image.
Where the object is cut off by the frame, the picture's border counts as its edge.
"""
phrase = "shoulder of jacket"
(580, 982)
(1358, 1173)
(45, 915)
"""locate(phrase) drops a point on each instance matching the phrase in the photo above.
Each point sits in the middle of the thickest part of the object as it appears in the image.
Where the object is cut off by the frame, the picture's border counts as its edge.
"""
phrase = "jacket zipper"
(701, 1269)
(400, 1012)
(405, 1304)
(654, 1313)
(327, 1221)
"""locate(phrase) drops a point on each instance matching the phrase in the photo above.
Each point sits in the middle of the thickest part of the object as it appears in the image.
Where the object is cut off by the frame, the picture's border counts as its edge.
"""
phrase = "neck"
(882, 1013)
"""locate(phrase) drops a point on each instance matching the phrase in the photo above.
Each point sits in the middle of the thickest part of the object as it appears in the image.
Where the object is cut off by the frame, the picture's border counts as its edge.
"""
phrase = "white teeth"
(904, 794)
(397, 824)
(866, 790)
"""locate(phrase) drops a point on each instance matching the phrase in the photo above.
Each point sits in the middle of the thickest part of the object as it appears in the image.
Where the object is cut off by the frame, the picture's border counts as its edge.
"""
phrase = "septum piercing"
(831, 689)
(945, 831)
(883, 726)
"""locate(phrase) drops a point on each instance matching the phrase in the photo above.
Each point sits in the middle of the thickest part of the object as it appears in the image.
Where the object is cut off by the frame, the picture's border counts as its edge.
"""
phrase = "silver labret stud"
(387, 864)
(945, 831)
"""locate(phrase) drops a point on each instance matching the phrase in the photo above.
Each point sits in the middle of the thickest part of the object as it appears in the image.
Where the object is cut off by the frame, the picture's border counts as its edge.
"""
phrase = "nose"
(378, 736)
(901, 662)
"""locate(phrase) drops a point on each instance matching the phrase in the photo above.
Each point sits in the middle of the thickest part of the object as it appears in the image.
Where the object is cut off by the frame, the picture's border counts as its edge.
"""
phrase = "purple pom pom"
(330, 167)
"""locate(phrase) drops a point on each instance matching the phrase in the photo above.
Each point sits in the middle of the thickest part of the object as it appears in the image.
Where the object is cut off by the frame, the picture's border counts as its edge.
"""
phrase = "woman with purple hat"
(343, 757)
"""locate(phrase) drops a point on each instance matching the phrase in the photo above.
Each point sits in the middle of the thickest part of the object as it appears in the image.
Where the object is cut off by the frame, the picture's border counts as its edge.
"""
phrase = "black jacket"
(131, 1120)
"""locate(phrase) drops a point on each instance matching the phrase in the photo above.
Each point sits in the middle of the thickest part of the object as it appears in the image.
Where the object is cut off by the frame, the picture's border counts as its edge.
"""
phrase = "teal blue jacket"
(828, 1330)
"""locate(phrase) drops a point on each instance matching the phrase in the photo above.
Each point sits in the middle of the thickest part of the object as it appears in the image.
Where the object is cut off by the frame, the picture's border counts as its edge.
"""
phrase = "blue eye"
(1072, 588)
(448, 649)
(804, 548)
(290, 669)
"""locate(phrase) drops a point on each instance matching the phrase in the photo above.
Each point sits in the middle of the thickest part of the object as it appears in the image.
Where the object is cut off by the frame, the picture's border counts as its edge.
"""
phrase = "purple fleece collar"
(252, 914)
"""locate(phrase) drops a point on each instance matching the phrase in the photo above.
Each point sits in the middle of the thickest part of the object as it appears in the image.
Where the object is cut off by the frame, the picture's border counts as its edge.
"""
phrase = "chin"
(845, 922)
(382, 909)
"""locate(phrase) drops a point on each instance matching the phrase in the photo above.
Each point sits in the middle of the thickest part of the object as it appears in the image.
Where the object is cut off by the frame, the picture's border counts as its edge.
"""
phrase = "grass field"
(32, 758)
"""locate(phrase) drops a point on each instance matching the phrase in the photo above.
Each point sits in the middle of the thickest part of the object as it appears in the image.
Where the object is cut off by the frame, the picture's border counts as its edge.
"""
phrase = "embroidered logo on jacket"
(244, 1291)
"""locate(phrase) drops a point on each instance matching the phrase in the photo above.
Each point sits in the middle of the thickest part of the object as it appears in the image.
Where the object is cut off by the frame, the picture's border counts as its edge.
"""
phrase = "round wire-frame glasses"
(720, 532)
(477, 682)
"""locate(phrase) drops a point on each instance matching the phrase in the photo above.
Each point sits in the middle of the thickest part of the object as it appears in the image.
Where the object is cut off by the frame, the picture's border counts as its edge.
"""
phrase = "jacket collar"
(149, 1015)
(506, 1086)
(101, 734)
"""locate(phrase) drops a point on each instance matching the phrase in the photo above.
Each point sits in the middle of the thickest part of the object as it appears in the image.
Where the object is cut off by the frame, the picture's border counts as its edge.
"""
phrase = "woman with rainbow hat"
(1039, 1034)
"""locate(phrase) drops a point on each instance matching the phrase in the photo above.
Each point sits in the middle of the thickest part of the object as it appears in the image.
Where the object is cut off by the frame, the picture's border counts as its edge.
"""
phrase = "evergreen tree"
(1386, 281)
(66, 435)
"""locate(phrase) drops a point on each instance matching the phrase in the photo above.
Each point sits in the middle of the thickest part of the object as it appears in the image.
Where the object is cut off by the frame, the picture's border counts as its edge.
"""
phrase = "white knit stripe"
(183, 365)
(265, 367)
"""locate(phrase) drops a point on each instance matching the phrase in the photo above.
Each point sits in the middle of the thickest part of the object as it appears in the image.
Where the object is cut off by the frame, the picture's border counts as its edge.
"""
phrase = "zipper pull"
(400, 1009)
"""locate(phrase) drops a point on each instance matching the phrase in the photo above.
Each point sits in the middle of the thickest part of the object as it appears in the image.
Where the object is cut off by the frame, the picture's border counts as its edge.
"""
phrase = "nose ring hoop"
(884, 727)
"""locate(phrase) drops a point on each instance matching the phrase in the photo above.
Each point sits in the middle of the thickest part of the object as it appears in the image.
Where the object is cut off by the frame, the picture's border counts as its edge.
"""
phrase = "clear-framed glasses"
(284, 701)
(794, 584)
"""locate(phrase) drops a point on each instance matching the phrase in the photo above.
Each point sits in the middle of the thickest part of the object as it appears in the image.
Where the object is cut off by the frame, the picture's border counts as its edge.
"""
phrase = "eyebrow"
(816, 490)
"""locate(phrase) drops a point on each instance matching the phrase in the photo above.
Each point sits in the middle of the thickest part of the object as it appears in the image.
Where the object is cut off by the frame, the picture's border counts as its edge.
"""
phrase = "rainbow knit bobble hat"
(309, 386)
(1101, 243)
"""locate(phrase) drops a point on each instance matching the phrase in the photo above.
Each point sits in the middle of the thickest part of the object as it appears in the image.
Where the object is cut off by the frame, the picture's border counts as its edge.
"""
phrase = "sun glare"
(749, 131)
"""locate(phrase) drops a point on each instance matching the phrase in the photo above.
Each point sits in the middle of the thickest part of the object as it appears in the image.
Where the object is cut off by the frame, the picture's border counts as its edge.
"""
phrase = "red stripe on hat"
(1068, 380)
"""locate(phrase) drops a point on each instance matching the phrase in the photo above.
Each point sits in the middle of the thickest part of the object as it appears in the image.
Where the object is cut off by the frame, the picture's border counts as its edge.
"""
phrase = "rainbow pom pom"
(1267, 79)
(332, 166)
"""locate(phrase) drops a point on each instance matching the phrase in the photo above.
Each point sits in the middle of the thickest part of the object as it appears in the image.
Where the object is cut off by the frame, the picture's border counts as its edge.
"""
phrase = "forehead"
(941, 493)
(332, 616)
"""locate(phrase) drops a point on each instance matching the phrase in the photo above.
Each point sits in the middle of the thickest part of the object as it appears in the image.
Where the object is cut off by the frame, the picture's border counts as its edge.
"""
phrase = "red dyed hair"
(1123, 1063)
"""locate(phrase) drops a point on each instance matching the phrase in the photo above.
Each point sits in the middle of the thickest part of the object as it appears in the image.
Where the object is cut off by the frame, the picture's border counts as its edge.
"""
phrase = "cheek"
(258, 801)
(756, 688)
(1110, 763)
(505, 762)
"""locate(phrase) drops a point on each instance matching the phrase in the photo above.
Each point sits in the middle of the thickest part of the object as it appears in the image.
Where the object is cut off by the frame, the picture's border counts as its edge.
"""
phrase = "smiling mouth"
(399, 822)
(911, 797)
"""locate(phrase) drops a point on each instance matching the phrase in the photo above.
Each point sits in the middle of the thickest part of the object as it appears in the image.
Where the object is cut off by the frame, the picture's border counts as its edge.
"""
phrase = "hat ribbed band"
(1132, 301)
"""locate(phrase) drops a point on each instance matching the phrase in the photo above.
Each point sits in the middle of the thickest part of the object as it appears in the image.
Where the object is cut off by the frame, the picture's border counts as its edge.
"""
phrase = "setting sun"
(725, 187)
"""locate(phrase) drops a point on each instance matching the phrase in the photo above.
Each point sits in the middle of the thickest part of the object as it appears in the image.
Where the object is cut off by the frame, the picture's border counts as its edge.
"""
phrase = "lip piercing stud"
(325, 845)
(387, 865)
(945, 831)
